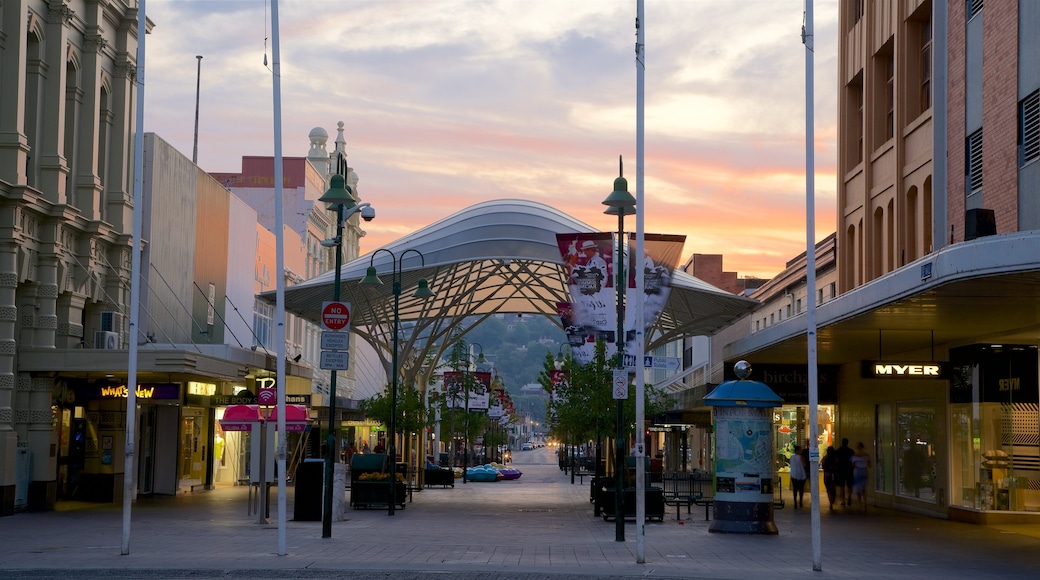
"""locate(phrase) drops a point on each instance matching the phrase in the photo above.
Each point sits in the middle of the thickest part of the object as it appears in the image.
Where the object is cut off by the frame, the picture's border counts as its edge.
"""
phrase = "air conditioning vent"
(112, 321)
(106, 340)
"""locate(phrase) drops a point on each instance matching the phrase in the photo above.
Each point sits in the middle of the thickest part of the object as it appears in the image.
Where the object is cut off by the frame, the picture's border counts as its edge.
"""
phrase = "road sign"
(335, 340)
(669, 363)
(335, 315)
(620, 384)
(334, 360)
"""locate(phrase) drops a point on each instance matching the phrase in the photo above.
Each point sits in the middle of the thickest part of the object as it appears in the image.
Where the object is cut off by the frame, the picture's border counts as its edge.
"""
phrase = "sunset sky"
(450, 103)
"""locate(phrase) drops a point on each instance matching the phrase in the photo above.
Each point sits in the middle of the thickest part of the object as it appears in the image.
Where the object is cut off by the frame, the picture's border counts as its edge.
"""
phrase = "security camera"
(330, 243)
(368, 213)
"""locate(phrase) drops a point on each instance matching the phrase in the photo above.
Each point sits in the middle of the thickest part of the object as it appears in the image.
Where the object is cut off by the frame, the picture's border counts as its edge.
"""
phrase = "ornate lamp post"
(423, 291)
(620, 203)
(341, 197)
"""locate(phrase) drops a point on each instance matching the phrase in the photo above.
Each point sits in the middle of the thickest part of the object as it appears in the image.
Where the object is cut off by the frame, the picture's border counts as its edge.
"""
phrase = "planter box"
(654, 503)
(372, 494)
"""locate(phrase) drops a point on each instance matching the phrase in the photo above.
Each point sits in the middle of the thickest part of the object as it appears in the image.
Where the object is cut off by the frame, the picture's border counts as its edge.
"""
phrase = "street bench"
(688, 489)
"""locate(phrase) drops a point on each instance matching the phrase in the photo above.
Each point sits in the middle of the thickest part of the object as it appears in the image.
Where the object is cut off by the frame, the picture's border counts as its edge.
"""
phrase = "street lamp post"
(466, 382)
(340, 196)
(423, 291)
(620, 203)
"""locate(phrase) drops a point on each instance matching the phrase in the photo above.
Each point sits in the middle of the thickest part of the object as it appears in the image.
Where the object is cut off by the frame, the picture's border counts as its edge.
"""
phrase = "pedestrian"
(843, 474)
(829, 464)
(798, 476)
(860, 470)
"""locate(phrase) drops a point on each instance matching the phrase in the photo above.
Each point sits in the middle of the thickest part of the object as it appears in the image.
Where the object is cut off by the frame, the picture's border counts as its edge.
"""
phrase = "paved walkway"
(537, 527)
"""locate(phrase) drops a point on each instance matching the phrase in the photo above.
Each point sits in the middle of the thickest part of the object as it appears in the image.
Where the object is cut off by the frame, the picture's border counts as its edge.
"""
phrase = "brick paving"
(537, 527)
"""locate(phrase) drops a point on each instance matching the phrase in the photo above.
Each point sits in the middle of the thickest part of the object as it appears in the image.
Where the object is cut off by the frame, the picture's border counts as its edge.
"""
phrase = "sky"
(449, 103)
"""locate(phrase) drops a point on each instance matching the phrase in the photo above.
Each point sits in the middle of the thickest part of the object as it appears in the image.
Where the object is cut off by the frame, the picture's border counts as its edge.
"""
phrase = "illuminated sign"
(121, 392)
(904, 370)
(204, 389)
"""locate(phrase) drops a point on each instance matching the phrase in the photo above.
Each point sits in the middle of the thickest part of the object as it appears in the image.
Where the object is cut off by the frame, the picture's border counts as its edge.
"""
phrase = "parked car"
(526, 447)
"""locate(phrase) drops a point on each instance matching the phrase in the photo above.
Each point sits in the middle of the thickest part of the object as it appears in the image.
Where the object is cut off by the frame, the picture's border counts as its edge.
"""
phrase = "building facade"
(66, 133)
(931, 343)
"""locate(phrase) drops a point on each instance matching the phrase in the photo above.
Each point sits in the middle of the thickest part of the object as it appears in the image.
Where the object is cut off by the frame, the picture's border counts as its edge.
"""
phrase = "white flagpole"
(810, 286)
(135, 290)
(636, 261)
(280, 270)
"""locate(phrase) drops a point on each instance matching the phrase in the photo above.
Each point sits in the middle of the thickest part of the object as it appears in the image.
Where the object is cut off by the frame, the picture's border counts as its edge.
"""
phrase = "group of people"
(845, 474)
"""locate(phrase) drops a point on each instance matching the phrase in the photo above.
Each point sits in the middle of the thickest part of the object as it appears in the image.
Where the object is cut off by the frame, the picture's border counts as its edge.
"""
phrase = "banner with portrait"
(591, 315)
(460, 385)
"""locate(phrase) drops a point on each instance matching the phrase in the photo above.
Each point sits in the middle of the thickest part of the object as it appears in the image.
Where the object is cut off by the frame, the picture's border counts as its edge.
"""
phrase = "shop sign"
(143, 391)
(791, 381)
(904, 370)
(203, 389)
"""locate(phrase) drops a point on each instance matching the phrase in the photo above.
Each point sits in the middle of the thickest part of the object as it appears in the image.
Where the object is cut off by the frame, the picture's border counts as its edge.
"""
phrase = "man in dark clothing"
(843, 473)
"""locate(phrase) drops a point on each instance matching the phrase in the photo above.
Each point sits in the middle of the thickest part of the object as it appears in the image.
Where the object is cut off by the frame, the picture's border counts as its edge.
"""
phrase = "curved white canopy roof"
(494, 257)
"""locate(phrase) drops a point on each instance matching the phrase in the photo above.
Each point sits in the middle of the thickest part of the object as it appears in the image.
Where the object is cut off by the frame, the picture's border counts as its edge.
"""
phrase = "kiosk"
(744, 468)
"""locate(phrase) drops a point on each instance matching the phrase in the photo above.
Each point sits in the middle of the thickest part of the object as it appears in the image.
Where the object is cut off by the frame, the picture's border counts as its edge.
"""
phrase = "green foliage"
(583, 408)
(411, 412)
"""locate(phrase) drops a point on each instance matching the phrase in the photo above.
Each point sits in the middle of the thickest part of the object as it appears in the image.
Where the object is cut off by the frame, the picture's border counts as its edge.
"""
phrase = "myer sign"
(873, 369)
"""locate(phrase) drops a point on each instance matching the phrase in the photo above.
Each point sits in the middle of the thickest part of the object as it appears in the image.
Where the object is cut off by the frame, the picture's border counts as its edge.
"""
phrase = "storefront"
(90, 422)
(994, 431)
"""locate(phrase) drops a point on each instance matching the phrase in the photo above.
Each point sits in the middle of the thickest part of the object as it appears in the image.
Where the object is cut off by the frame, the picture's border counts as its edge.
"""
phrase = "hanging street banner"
(591, 315)
(455, 390)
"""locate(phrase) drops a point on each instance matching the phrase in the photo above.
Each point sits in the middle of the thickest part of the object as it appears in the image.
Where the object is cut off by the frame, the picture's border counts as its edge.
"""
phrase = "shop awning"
(296, 418)
(240, 417)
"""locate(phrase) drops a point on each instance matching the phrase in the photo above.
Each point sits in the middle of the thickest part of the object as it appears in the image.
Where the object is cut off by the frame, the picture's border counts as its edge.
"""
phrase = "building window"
(854, 122)
(883, 102)
(819, 296)
(1029, 128)
(834, 289)
(855, 12)
(798, 306)
(890, 98)
(263, 322)
(918, 85)
(974, 7)
(973, 166)
(926, 66)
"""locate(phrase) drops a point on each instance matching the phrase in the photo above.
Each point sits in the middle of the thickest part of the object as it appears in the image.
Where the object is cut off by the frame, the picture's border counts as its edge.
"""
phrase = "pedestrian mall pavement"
(537, 527)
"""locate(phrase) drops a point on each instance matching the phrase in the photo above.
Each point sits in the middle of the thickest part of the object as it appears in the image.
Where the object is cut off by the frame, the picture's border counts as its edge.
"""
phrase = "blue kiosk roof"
(743, 394)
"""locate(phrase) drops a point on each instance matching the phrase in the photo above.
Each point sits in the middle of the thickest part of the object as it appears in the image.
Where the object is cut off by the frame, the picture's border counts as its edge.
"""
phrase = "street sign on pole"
(669, 363)
(335, 360)
(620, 384)
(335, 315)
(335, 340)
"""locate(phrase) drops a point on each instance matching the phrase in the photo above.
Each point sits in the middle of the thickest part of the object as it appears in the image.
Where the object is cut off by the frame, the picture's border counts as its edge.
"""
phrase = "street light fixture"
(340, 196)
(423, 291)
(620, 203)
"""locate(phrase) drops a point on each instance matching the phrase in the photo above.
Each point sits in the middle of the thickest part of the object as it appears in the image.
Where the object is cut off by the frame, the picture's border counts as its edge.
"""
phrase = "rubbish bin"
(308, 496)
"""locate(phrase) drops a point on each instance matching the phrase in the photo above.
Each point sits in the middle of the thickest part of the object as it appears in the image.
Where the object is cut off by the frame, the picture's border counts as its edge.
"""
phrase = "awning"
(296, 418)
(240, 417)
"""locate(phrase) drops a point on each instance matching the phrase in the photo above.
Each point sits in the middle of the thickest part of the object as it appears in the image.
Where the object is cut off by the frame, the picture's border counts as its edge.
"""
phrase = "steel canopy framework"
(494, 257)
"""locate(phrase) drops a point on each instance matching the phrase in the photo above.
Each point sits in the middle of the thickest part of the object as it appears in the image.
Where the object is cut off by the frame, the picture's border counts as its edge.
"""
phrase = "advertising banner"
(591, 314)
(456, 388)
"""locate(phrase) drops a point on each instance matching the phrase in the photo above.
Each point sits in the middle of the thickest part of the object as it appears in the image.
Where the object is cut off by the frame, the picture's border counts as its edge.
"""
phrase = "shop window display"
(791, 423)
(995, 404)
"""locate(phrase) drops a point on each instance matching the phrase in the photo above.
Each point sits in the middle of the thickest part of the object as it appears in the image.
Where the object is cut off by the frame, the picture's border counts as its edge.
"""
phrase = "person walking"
(829, 464)
(843, 473)
(798, 476)
(860, 470)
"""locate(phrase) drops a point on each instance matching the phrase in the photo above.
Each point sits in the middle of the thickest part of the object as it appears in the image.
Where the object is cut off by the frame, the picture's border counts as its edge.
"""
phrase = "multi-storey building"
(931, 344)
(67, 206)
